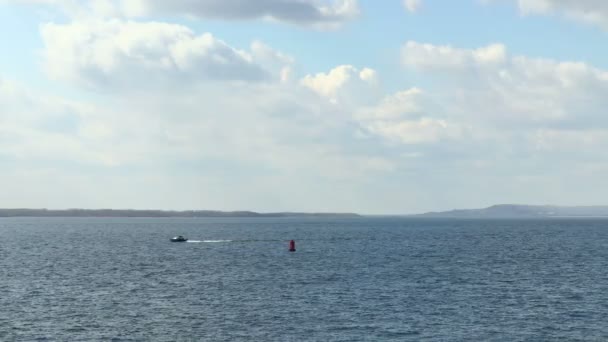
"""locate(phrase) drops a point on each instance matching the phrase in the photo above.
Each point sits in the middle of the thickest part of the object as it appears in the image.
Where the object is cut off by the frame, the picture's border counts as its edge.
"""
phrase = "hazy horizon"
(297, 212)
(355, 106)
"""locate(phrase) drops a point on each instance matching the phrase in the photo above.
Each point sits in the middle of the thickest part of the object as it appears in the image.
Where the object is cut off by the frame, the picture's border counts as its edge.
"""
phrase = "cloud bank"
(187, 120)
(319, 14)
(593, 12)
(117, 54)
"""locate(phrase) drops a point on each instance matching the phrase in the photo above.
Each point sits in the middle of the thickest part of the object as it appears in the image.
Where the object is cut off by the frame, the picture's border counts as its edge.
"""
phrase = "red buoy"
(292, 246)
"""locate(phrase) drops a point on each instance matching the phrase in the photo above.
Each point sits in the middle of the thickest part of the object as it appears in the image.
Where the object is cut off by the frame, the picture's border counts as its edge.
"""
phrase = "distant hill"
(156, 213)
(522, 211)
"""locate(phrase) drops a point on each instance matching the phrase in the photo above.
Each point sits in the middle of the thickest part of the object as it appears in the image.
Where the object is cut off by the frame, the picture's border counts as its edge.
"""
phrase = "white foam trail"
(208, 241)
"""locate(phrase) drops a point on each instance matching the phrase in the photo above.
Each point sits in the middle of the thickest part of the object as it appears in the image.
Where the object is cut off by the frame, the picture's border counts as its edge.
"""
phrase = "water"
(371, 279)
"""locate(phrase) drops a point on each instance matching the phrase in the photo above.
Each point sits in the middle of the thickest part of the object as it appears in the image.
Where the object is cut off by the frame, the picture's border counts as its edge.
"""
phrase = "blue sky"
(309, 105)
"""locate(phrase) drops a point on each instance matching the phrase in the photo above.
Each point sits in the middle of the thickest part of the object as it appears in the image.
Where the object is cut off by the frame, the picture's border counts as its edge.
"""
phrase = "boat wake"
(208, 241)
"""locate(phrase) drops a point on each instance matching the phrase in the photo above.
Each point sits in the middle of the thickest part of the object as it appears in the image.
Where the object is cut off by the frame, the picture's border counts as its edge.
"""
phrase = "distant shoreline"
(158, 213)
(501, 211)
(513, 211)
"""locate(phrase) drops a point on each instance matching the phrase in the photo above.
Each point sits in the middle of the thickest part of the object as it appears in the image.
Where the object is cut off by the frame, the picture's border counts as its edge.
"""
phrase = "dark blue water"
(350, 280)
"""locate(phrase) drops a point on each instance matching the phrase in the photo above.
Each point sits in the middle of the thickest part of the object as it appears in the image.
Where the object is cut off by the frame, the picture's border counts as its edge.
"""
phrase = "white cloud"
(303, 12)
(404, 103)
(407, 117)
(118, 54)
(322, 14)
(274, 60)
(520, 95)
(344, 84)
(404, 117)
(493, 87)
(593, 12)
(412, 6)
(428, 56)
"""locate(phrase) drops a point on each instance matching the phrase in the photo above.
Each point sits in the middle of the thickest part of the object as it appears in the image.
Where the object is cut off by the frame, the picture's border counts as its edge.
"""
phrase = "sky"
(368, 106)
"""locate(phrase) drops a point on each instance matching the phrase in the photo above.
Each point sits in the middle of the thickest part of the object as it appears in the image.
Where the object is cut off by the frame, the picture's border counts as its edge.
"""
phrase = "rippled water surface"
(373, 279)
